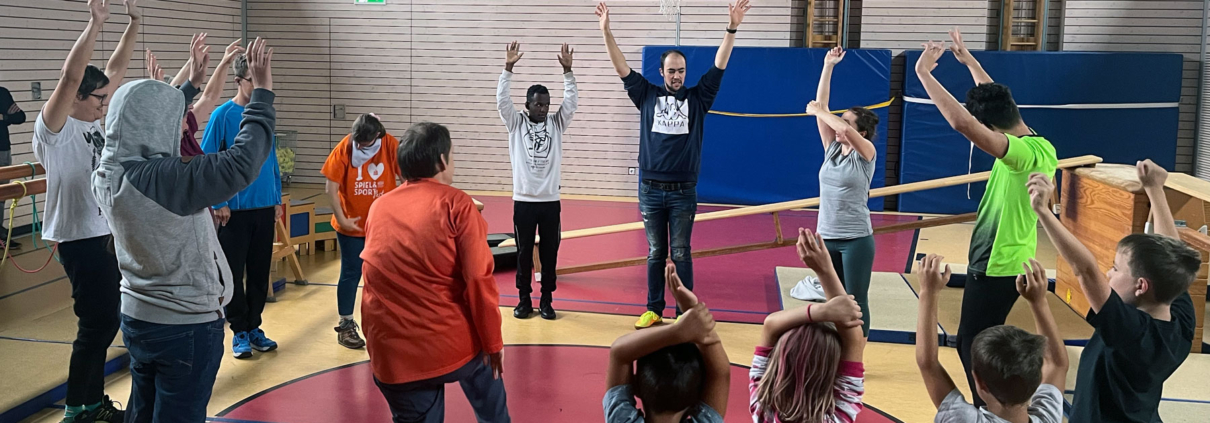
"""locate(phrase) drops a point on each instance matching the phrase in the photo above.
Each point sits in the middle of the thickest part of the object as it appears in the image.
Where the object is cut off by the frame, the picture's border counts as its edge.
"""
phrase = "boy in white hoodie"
(535, 145)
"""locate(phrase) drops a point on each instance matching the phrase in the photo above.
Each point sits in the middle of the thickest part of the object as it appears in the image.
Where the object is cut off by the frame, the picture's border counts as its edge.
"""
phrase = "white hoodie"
(536, 149)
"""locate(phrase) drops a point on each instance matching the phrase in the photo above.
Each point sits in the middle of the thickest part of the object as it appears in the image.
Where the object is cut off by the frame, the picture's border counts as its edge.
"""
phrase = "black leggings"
(542, 218)
(986, 302)
(247, 242)
(92, 269)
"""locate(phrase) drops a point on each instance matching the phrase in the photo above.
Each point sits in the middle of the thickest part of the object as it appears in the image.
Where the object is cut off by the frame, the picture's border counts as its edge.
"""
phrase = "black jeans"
(543, 219)
(986, 302)
(92, 269)
(247, 242)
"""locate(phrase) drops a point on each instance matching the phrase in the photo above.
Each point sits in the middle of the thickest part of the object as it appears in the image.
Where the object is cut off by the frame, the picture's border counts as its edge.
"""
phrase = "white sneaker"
(808, 289)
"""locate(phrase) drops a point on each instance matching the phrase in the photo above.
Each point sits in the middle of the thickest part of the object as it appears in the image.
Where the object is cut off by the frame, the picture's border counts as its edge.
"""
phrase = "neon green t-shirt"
(1006, 228)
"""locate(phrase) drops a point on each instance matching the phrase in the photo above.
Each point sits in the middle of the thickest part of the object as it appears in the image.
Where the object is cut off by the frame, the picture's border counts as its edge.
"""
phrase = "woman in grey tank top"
(844, 187)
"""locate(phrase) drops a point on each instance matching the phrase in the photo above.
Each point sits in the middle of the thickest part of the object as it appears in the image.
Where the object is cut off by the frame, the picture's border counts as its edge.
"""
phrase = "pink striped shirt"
(848, 389)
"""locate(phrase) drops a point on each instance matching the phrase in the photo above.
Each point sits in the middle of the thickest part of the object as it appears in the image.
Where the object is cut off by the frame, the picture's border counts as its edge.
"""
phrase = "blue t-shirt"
(620, 407)
(670, 125)
(220, 133)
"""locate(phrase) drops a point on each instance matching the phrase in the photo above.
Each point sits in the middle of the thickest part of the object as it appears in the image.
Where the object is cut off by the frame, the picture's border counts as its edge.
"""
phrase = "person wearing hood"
(175, 278)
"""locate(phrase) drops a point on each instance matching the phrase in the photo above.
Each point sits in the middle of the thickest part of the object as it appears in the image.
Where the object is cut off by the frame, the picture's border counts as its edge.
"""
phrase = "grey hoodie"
(173, 268)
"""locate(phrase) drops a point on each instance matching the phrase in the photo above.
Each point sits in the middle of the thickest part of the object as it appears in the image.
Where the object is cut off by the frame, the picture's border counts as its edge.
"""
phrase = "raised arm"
(840, 309)
(615, 53)
(841, 130)
(213, 94)
(154, 71)
(1083, 263)
(1032, 285)
(964, 57)
(1153, 176)
(504, 96)
(823, 94)
(933, 276)
(718, 366)
(58, 107)
(959, 118)
(187, 69)
(736, 12)
(571, 95)
(119, 61)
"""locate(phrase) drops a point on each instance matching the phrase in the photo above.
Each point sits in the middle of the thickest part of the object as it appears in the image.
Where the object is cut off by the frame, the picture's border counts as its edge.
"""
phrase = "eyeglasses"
(100, 97)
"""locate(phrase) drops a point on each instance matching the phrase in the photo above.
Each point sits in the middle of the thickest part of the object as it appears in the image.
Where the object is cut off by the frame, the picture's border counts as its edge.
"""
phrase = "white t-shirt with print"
(70, 156)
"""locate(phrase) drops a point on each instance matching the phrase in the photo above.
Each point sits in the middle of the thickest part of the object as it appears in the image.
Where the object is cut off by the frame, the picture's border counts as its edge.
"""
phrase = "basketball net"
(670, 8)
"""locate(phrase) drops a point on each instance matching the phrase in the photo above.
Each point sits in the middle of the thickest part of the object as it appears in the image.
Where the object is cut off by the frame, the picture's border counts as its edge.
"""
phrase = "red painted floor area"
(738, 287)
(543, 384)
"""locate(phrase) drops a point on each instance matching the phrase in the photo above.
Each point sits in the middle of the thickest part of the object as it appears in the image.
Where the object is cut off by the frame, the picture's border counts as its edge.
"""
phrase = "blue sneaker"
(260, 342)
(240, 346)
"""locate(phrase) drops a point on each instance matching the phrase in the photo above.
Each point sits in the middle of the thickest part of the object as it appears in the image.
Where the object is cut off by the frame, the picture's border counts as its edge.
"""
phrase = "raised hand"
(199, 59)
(232, 51)
(1151, 174)
(154, 71)
(1032, 285)
(260, 59)
(835, 55)
(132, 10)
(959, 48)
(1040, 189)
(685, 299)
(933, 274)
(736, 11)
(98, 10)
(565, 57)
(928, 59)
(512, 54)
(812, 251)
(603, 16)
(815, 109)
(841, 310)
(696, 324)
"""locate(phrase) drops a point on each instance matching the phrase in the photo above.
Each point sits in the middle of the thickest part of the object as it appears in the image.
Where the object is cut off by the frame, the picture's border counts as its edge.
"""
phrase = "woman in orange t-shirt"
(360, 169)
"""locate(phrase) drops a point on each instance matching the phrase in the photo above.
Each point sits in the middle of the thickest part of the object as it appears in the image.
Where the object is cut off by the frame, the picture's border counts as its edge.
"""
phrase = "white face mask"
(361, 155)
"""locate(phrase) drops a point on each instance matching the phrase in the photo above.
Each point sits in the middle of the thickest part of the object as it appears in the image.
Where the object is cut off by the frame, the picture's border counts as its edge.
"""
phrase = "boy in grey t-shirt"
(1019, 374)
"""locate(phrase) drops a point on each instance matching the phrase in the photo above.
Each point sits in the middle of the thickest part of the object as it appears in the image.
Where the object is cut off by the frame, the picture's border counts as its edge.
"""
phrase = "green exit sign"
(370, 1)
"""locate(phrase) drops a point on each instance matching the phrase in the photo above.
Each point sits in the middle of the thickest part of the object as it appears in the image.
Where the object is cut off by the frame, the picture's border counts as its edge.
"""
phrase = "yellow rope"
(775, 115)
(12, 211)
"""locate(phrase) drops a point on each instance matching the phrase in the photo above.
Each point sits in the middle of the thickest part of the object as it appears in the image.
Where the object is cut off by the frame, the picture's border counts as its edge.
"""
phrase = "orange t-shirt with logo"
(360, 186)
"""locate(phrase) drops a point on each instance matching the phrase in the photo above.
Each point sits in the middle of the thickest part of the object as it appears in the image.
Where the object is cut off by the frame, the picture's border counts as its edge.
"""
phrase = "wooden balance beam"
(776, 208)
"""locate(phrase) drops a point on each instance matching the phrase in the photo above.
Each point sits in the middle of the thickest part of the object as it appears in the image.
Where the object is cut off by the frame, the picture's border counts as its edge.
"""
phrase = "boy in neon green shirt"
(1005, 235)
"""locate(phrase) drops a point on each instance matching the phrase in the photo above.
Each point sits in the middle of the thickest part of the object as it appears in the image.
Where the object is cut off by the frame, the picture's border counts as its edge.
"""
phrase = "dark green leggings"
(854, 263)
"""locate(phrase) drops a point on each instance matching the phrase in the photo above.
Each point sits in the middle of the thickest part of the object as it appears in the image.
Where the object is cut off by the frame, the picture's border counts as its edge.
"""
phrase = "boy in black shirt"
(1141, 309)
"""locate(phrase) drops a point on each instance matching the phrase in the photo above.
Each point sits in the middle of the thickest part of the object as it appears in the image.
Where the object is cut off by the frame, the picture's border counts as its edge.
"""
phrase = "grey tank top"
(844, 194)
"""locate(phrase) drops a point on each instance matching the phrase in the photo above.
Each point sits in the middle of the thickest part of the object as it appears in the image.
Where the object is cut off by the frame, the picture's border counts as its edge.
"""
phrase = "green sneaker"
(647, 320)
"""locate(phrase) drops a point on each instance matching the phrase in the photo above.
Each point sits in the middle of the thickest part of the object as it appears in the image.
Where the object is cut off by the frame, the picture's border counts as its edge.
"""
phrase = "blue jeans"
(350, 272)
(667, 212)
(172, 369)
(423, 401)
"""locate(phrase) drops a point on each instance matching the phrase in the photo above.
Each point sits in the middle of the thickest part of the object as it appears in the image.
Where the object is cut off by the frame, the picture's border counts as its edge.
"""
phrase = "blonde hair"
(798, 386)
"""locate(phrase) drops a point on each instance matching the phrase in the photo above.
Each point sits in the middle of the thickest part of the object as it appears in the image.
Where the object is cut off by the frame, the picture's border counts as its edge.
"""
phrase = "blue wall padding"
(757, 160)
(930, 149)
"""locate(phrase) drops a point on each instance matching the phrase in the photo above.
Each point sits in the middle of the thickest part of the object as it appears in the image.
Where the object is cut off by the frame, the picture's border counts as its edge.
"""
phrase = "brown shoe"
(347, 335)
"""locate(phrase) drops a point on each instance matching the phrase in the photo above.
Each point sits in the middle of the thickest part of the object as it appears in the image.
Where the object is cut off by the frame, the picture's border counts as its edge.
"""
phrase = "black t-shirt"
(1131, 354)
(6, 104)
(670, 125)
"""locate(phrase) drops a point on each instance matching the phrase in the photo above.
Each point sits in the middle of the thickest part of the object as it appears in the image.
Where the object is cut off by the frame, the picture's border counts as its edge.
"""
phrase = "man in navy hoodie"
(670, 153)
(247, 221)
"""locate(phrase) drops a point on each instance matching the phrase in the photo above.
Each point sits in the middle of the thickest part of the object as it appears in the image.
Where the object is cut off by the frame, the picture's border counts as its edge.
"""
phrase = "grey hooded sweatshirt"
(173, 268)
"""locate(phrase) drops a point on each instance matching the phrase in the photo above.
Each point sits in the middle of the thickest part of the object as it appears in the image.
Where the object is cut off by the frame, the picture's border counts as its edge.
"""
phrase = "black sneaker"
(545, 309)
(105, 413)
(347, 335)
(12, 244)
(524, 308)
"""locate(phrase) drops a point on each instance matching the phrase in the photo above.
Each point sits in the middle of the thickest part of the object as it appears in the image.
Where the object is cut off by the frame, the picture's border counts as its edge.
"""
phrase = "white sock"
(538, 277)
(343, 318)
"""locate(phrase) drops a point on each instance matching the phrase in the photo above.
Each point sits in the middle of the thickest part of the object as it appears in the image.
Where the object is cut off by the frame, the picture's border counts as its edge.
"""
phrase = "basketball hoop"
(670, 8)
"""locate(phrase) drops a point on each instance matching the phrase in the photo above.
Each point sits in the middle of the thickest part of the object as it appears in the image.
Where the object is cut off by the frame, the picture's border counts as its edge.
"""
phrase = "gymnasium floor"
(554, 371)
